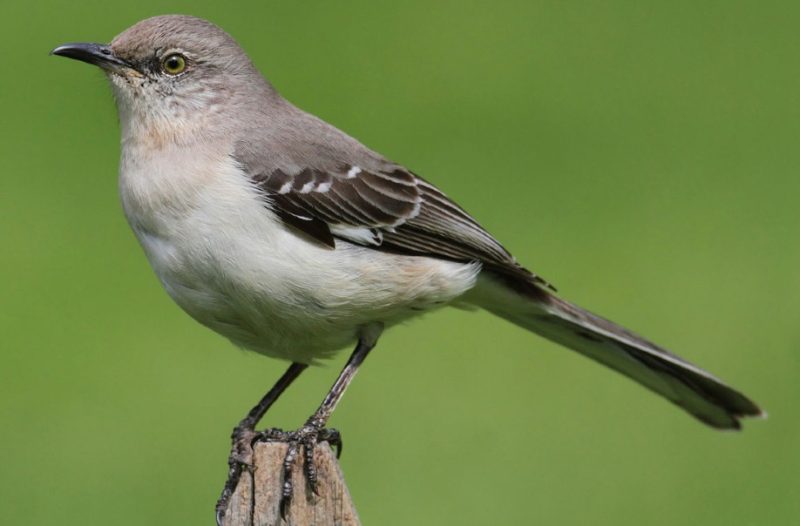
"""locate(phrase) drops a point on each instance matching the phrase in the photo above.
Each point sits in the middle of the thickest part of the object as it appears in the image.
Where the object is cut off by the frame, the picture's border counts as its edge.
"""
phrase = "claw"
(309, 469)
(307, 438)
(287, 491)
(332, 437)
(240, 459)
(244, 436)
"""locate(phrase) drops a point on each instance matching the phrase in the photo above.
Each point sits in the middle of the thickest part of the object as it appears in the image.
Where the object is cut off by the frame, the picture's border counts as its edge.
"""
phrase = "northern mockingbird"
(294, 240)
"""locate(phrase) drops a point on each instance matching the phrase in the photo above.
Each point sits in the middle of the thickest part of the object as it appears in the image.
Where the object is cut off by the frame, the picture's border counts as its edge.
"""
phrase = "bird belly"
(229, 262)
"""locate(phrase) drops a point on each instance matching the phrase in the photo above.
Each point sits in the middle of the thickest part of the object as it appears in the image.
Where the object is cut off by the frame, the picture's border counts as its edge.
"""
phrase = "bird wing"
(384, 207)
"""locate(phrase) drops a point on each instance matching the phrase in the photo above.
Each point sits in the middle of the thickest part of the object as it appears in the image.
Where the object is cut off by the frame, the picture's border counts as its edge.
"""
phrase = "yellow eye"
(173, 64)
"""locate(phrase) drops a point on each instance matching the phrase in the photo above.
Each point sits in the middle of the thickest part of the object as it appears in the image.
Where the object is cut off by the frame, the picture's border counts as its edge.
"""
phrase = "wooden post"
(256, 500)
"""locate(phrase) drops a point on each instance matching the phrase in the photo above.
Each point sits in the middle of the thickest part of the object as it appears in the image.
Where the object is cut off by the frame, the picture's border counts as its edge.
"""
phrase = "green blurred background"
(643, 156)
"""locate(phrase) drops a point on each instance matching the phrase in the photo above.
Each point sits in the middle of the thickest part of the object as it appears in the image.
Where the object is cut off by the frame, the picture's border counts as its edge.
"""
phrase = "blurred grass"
(642, 156)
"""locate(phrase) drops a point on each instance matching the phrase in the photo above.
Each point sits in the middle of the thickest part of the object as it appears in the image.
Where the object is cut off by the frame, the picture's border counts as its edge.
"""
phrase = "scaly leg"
(244, 435)
(314, 430)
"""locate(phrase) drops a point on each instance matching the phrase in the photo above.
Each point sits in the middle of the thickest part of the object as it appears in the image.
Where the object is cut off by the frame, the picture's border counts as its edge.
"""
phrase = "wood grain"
(256, 500)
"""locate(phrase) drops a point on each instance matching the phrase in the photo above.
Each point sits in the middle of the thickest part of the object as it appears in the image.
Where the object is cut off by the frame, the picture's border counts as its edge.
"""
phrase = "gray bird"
(294, 240)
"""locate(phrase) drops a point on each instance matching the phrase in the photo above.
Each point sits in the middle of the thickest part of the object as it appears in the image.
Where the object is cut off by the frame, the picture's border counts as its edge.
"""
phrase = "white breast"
(225, 258)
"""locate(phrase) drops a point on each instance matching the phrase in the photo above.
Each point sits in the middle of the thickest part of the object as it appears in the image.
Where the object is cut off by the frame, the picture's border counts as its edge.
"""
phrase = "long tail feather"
(686, 385)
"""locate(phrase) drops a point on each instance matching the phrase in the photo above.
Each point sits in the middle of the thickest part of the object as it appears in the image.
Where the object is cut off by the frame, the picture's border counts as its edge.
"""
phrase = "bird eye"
(173, 64)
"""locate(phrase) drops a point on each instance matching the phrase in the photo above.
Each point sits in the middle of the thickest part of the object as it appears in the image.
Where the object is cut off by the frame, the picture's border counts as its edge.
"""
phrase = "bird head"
(171, 75)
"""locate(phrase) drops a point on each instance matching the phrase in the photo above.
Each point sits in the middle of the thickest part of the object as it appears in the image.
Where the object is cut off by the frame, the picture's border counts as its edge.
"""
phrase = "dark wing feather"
(387, 208)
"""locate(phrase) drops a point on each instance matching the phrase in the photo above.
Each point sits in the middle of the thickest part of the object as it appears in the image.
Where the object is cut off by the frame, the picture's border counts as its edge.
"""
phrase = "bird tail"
(684, 384)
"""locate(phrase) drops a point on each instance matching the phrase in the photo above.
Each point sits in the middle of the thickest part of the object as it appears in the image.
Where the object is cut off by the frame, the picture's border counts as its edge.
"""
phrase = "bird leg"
(314, 431)
(244, 435)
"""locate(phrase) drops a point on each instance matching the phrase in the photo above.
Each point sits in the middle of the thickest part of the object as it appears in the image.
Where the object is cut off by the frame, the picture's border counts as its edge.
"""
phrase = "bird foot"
(239, 459)
(306, 439)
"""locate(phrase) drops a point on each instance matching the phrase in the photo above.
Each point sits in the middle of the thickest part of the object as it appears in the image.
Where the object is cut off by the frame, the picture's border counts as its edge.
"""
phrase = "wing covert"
(384, 207)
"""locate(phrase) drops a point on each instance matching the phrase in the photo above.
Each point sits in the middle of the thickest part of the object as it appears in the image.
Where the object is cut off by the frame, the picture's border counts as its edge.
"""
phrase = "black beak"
(97, 54)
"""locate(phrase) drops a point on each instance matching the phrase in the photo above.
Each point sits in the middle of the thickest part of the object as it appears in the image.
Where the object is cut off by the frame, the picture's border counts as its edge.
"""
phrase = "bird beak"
(97, 54)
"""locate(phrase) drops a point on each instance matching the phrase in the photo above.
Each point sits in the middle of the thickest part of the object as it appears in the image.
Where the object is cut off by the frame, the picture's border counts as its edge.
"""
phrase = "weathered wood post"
(256, 500)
